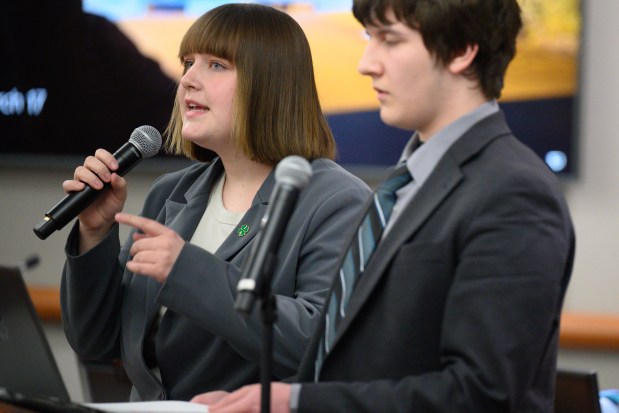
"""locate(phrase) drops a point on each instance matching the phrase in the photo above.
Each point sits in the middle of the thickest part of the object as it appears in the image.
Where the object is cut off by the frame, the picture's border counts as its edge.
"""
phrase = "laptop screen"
(577, 391)
(26, 362)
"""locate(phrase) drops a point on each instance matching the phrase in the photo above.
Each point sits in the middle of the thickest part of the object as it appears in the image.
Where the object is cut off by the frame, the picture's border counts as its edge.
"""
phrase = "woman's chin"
(191, 135)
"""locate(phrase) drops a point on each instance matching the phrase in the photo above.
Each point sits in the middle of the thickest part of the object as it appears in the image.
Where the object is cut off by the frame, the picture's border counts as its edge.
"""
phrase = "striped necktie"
(358, 254)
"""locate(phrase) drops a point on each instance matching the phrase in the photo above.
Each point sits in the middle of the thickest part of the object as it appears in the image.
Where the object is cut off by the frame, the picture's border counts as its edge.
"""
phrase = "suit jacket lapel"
(439, 185)
(183, 216)
(436, 189)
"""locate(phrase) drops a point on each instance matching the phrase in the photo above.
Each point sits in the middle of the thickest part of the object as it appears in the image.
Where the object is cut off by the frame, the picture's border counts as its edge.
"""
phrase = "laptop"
(577, 391)
(29, 375)
(27, 365)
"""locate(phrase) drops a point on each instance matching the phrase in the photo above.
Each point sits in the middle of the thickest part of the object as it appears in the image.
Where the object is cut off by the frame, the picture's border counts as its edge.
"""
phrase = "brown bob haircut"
(276, 108)
(449, 26)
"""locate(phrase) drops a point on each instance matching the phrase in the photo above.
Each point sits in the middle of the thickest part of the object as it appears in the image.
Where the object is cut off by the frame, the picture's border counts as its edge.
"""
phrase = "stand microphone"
(292, 174)
(144, 142)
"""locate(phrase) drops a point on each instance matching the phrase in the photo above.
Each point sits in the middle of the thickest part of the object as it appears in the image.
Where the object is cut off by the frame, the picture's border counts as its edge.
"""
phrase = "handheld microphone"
(145, 141)
(292, 174)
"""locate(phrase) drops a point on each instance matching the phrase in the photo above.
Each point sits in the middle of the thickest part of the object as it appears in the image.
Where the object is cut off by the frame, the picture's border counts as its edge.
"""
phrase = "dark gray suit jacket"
(459, 307)
(202, 343)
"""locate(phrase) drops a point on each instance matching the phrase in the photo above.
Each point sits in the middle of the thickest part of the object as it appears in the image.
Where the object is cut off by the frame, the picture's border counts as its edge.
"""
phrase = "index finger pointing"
(146, 225)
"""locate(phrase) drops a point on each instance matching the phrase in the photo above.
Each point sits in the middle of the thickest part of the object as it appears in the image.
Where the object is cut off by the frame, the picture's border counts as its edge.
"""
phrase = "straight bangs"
(215, 33)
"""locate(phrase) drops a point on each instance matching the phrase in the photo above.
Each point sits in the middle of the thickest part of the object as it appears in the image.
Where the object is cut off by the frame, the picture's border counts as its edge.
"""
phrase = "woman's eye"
(186, 65)
(217, 66)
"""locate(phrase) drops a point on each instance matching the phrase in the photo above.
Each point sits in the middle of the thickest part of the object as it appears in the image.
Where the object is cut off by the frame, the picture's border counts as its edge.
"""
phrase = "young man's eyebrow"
(381, 29)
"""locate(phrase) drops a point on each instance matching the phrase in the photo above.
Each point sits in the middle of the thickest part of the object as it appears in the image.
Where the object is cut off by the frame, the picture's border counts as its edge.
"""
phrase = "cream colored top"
(217, 222)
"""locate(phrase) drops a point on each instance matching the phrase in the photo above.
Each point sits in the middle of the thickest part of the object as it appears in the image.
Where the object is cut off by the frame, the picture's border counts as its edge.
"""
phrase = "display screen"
(76, 76)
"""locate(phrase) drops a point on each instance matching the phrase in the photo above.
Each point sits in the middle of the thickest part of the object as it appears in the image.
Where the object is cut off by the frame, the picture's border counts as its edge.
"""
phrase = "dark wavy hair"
(449, 26)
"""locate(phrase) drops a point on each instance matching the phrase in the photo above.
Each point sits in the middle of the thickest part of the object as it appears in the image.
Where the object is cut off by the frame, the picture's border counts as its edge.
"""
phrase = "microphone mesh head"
(293, 170)
(147, 140)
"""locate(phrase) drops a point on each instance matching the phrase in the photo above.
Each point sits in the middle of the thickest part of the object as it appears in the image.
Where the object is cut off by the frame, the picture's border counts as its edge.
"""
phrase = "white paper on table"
(167, 406)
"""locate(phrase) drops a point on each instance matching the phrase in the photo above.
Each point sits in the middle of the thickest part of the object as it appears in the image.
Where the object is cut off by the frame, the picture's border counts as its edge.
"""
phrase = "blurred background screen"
(79, 75)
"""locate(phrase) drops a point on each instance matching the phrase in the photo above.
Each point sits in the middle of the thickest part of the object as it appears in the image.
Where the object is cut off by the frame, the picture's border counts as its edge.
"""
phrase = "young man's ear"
(463, 60)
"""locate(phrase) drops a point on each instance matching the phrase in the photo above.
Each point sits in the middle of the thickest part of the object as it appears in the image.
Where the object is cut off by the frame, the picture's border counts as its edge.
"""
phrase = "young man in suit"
(458, 307)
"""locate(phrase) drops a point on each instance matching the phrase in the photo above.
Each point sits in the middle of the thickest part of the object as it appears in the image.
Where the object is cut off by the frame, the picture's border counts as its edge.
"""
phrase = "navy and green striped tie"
(359, 253)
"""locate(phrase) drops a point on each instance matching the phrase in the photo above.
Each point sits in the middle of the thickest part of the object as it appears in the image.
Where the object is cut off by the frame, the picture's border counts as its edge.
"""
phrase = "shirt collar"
(421, 159)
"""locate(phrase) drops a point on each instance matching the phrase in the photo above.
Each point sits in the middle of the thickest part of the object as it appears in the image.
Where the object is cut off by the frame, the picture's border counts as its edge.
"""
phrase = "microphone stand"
(268, 313)
(291, 175)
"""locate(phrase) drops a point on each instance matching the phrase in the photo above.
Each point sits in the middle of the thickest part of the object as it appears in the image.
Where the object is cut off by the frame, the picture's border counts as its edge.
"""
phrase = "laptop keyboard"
(37, 404)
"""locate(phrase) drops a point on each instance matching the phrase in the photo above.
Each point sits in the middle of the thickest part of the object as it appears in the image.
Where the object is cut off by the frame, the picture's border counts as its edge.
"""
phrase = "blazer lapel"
(439, 185)
(183, 217)
(247, 229)
(436, 189)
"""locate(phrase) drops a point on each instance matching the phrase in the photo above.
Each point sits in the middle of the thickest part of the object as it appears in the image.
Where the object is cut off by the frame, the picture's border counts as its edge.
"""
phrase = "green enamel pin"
(242, 230)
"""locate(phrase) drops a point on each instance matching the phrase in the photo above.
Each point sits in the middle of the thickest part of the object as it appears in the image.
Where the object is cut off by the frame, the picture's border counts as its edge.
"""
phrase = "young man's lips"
(380, 93)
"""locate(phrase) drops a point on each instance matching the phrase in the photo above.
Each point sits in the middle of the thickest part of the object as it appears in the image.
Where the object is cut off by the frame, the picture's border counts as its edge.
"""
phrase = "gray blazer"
(202, 343)
(458, 309)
